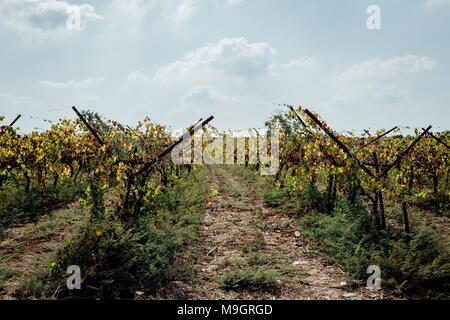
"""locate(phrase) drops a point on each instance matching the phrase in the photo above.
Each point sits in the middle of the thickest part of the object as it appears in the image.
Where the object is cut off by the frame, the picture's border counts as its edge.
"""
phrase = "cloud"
(203, 94)
(202, 100)
(379, 80)
(137, 8)
(83, 84)
(234, 57)
(44, 17)
(138, 76)
(437, 3)
(295, 64)
(185, 11)
(11, 99)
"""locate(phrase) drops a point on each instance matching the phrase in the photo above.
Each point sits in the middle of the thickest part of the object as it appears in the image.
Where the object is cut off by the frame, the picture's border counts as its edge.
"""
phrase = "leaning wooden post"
(145, 169)
(298, 117)
(401, 155)
(376, 139)
(339, 143)
(15, 120)
(437, 139)
(88, 126)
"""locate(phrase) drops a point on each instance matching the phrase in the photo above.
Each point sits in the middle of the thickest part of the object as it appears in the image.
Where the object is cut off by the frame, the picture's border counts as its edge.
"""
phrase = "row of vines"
(130, 238)
(355, 196)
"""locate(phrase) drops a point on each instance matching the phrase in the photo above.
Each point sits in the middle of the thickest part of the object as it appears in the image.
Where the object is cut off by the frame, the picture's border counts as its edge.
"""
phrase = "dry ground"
(238, 230)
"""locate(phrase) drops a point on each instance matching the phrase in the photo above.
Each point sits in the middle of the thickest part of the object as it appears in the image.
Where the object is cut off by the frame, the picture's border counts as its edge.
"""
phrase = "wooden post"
(168, 150)
(377, 138)
(383, 217)
(55, 181)
(401, 155)
(339, 143)
(380, 193)
(375, 211)
(15, 120)
(405, 219)
(298, 117)
(437, 139)
(88, 126)
(27, 186)
(144, 171)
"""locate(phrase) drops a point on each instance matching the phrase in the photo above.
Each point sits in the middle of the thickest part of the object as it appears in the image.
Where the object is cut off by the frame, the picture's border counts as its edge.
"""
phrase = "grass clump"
(260, 259)
(249, 278)
(272, 197)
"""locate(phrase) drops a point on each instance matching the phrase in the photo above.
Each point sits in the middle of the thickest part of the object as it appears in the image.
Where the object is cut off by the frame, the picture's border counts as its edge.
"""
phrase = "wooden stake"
(88, 126)
(405, 219)
(380, 193)
(375, 211)
(15, 120)
(298, 117)
(376, 139)
(401, 155)
(168, 150)
(437, 139)
(339, 143)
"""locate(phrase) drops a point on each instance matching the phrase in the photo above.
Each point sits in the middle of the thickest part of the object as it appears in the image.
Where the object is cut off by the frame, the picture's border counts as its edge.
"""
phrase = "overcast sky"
(178, 60)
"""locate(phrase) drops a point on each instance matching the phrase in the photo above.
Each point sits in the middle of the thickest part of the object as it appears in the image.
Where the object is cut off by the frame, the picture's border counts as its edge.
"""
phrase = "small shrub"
(249, 279)
(260, 259)
(272, 197)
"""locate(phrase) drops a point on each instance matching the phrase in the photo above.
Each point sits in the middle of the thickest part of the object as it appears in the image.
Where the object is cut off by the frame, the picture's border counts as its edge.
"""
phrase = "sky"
(176, 61)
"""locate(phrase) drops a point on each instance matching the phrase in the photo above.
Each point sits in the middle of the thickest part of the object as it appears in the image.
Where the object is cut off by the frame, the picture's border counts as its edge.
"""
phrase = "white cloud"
(83, 84)
(13, 100)
(231, 57)
(203, 94)
(204, 100)
(138, 76)
(138, 8)
(44, 17)
(379, 80)
(293, 65)
(437, 3)
(382, 69)
(185, 11)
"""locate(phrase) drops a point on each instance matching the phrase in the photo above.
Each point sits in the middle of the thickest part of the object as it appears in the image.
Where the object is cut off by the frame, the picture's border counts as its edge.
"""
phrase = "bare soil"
(237, 225)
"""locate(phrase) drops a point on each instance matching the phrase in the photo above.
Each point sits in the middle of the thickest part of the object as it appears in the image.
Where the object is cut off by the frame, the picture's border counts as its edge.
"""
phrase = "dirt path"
(239, 233)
